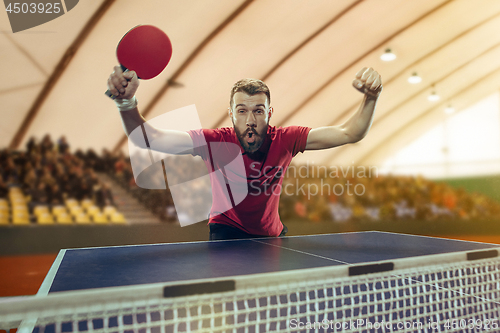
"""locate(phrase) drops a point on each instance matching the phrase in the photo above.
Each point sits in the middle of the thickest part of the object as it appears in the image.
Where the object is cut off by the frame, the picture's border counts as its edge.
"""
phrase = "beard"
(251, 140)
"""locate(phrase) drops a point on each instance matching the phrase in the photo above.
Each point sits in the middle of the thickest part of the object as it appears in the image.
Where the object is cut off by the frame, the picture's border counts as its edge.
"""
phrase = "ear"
(270, 113)
(230, 112)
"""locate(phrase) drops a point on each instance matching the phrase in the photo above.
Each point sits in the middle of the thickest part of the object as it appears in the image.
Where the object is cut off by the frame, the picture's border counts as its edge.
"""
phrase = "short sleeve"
(296, 137)
(201, 137)
(199, 142)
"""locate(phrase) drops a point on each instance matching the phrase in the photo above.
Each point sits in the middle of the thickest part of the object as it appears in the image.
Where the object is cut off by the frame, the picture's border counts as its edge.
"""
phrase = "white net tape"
(459, 296)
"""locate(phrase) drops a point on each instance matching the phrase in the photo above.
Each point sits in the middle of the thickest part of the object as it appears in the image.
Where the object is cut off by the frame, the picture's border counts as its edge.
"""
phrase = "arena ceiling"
(53, 76)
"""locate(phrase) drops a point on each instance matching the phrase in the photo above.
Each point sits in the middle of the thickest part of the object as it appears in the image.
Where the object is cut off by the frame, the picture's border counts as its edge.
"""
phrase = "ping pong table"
(88, 268)
(349, 282)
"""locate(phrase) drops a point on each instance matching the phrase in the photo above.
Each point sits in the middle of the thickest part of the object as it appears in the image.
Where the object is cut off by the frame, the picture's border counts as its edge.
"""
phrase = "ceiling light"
(414, 79)
(449, 109)
(433, 97)
(388, 55)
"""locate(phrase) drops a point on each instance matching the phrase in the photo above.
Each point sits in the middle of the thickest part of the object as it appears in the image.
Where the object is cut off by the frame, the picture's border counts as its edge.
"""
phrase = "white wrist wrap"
(126, 104)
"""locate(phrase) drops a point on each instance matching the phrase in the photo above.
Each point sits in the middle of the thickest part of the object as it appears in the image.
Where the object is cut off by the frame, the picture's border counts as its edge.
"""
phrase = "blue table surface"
(139, 264)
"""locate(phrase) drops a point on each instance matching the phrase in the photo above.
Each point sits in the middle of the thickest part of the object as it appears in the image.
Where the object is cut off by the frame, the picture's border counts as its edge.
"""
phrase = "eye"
(259, 111)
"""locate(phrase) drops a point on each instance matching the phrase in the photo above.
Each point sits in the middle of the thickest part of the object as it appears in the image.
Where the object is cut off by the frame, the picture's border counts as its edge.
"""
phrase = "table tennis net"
(453, 292)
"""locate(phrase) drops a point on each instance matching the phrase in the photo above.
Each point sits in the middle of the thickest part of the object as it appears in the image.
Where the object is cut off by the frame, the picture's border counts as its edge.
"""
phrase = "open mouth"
(250, 137)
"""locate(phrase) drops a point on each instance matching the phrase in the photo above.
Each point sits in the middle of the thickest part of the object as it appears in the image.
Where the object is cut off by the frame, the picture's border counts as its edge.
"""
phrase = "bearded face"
(250, 116)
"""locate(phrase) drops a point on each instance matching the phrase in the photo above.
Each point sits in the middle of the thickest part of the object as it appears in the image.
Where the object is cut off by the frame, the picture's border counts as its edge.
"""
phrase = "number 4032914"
(33, 8)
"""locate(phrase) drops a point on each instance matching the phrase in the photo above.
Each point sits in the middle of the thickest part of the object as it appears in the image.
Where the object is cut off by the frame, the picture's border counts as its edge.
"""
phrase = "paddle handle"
(108, 93)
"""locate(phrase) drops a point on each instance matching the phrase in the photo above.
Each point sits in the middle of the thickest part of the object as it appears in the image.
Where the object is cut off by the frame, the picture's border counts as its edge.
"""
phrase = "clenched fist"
(368, 81)
(123, 85)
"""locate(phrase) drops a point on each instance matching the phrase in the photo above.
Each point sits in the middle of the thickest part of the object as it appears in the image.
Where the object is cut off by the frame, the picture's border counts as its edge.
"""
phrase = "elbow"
(356, 138)
(138, 138)
(351, 137)
(351, 140)
(138, 143)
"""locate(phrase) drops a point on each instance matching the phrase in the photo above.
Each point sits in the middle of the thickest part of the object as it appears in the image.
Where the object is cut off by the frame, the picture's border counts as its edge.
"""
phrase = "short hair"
(250, 87)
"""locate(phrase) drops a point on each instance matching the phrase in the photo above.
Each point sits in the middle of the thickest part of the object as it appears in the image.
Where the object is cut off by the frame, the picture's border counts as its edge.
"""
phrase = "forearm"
(137, 129)
(360, 122)
(131, 119)
(351, 131)
(166, 141)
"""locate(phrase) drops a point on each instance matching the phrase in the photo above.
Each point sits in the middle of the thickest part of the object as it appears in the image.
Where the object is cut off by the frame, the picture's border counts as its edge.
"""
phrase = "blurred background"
(430, 164)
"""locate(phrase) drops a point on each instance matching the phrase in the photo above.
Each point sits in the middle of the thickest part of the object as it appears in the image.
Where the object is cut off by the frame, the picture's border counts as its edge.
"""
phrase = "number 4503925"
(33, 8)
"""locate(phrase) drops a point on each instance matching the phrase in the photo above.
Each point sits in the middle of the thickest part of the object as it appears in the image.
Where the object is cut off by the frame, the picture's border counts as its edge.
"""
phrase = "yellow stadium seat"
(118, 218)
(4, 218)
(18, 200)
(109, 210)
(71, 202)
(100, 218)
(20, 221)
(75, 210)
(20, 208)
(56, 210)
(64, 218)
(82, 218)
(4, 209)
(87, 203)
(41, 209)
(92, 210)
(20, 217)
(19, 211)
(45, 218)
(4, 203)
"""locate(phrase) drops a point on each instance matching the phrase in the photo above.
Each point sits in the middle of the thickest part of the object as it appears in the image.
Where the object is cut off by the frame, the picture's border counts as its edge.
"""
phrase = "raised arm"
(124, 86)
(355, 128)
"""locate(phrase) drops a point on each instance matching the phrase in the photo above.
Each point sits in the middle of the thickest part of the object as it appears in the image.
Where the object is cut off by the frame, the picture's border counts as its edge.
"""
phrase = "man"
(267, 151)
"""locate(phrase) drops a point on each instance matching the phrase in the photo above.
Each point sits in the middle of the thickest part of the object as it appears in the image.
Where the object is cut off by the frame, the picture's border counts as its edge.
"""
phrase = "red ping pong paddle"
(144, 49)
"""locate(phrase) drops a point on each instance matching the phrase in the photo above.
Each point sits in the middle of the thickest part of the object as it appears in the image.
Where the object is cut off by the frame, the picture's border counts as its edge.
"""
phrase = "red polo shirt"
(246, 189)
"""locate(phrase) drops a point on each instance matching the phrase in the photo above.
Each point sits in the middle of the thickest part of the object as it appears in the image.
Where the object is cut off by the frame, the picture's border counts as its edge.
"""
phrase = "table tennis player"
(263, 146)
